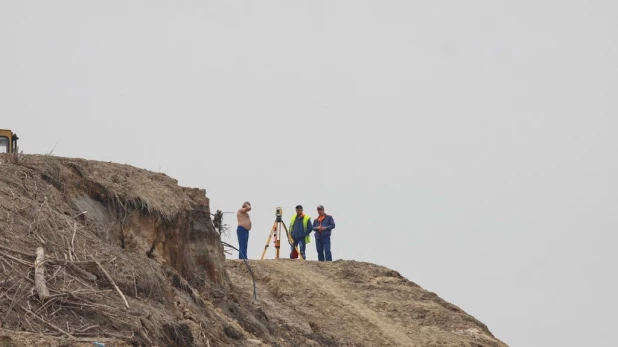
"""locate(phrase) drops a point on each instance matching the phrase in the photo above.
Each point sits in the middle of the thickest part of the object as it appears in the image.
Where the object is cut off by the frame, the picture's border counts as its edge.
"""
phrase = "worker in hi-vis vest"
(300, 229)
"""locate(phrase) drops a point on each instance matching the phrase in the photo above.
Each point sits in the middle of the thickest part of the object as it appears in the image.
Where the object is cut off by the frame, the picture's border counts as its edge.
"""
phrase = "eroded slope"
(114, 232)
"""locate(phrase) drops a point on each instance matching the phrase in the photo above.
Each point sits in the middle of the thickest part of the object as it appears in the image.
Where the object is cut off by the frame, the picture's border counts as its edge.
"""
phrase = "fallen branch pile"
(69, 289)
(64, 281)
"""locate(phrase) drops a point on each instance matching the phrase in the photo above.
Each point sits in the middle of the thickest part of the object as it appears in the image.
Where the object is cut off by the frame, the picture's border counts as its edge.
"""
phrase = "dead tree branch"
(46, 322)
(72, 250)
(111, 281)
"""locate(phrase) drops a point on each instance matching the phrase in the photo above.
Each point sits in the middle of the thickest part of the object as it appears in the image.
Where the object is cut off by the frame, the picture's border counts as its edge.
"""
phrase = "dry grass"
(15, 158)
(123, 186)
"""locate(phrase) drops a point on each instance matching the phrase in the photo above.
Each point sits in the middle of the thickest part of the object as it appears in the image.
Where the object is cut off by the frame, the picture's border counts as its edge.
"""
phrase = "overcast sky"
(469, 145)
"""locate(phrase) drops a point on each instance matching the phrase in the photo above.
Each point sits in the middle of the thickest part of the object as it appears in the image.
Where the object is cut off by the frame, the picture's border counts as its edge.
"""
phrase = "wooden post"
(39, 275)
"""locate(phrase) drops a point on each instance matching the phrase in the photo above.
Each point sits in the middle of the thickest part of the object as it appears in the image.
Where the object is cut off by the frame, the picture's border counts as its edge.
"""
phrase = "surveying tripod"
(276, 233)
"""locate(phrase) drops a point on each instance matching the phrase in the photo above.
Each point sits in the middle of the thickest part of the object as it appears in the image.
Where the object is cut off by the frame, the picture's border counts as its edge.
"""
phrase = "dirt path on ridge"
(348, 303)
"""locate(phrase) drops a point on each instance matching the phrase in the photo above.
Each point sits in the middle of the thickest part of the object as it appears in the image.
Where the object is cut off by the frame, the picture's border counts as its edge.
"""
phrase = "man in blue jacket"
(323, 225)
(300, 228)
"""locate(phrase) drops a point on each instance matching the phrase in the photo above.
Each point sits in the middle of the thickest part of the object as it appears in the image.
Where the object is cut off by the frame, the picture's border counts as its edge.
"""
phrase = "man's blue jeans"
(301, 245)
(322, 244)
(243, 240)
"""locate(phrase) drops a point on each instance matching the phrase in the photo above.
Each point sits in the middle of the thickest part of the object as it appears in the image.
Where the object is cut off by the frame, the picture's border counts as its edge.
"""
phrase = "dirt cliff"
(126, 257)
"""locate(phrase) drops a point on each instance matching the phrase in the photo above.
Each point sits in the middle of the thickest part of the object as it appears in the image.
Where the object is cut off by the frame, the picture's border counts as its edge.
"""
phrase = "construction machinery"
(8, 141)
(276, 233)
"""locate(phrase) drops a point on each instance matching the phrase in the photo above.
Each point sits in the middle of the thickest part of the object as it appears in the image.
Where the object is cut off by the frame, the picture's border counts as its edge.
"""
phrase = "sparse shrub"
(16, 158)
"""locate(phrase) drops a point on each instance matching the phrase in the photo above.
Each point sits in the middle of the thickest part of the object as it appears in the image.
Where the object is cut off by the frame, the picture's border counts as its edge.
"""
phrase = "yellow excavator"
(8, 141)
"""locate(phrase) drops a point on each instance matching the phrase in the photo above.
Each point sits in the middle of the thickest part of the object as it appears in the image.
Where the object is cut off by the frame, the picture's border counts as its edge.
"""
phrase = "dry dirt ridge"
(126, 257)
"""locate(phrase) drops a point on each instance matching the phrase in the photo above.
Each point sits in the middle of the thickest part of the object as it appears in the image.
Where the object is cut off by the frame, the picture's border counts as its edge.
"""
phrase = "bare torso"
(243, 219)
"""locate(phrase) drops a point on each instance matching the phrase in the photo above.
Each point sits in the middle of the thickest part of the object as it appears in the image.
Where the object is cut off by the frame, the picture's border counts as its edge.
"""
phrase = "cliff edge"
(94, 251)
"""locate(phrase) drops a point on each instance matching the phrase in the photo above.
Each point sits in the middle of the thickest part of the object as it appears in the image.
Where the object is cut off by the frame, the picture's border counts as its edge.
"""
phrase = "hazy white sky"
(469, 145)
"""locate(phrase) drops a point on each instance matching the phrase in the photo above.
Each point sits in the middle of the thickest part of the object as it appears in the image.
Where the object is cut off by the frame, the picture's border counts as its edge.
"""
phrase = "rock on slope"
(113, 232)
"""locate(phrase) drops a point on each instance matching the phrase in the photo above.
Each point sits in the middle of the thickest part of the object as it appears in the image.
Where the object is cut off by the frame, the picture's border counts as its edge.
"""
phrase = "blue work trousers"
(300, 242)
(322, 244)
(243, 240)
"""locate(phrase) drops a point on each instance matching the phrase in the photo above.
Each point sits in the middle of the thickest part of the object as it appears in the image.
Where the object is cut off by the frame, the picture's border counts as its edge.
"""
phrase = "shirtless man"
(244, 225)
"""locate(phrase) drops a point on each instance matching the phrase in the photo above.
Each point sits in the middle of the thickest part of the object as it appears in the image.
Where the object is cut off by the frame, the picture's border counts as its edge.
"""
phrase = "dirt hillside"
(101, 252)
(349, 303)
